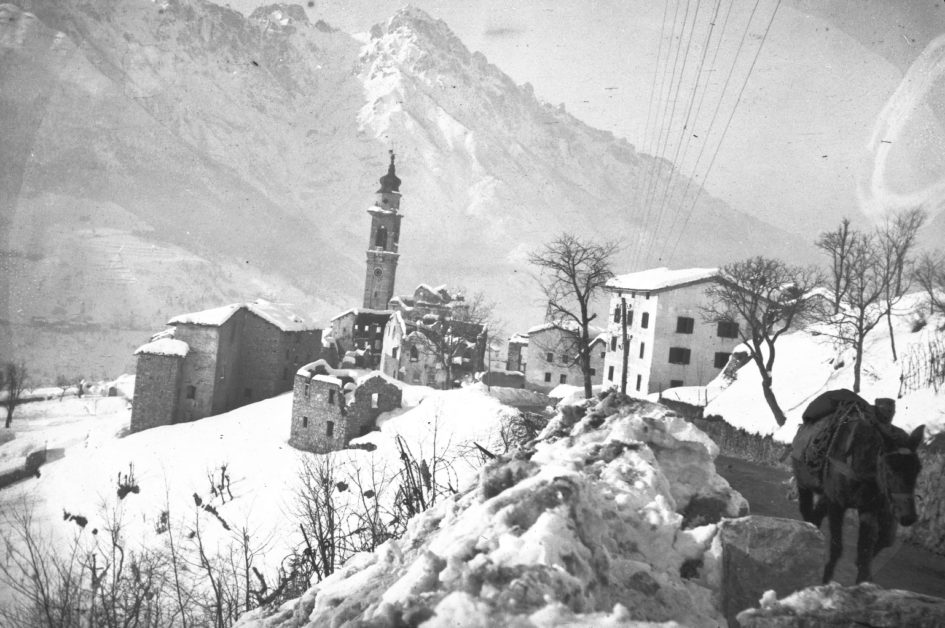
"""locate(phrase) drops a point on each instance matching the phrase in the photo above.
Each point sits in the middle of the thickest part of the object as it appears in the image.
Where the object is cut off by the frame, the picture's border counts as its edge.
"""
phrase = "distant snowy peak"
(418, 55)
(280, 14)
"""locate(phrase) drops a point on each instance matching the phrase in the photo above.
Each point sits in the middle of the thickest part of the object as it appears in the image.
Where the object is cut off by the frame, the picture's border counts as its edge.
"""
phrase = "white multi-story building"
(668, 344)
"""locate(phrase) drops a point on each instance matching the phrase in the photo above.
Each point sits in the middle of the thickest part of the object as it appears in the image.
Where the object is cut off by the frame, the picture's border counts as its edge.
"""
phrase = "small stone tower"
(382, 252)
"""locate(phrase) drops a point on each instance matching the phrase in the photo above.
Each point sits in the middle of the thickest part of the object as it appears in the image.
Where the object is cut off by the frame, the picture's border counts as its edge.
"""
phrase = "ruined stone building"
(216, 360)
(357, 335)
(330, 408)
(430, 340)
(668, 344)
(548, 356)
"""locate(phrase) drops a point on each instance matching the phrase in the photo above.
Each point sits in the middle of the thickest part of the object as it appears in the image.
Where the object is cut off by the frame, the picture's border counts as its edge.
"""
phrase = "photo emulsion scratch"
(531, 314)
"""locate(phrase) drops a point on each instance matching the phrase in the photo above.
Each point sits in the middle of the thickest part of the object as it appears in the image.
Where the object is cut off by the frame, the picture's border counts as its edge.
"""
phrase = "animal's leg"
(866, 545)
(805, 499)
(887, 527)
(813, 506)
(835, 548)
(820, 509)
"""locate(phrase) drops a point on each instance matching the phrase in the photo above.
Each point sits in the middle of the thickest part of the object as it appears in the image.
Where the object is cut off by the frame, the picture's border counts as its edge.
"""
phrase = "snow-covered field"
(171, 464)
(807, 364)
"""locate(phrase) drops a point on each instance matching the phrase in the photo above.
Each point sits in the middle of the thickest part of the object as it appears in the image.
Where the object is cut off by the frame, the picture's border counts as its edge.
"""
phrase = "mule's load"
(822, 417)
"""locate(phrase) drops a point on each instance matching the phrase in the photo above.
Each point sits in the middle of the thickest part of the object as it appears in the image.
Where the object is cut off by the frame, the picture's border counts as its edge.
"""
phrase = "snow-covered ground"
(171, 464)
(808, 363)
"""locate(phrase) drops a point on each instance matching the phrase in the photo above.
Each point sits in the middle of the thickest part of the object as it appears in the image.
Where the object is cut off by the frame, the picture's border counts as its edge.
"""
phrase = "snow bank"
(809, 363)
(586, 529)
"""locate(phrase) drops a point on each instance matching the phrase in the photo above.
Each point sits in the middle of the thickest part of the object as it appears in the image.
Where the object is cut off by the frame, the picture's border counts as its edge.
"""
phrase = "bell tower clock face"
(378, 272)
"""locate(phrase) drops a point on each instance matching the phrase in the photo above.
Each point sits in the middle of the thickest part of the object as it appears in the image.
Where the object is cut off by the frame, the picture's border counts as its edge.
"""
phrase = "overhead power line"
(727, 124)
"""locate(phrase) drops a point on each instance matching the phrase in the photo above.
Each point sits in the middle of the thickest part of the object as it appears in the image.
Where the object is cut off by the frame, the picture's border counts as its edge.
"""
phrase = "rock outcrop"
(766, 553)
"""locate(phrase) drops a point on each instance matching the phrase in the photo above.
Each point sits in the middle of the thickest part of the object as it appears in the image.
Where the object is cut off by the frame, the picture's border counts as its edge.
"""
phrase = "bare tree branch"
(573, 272)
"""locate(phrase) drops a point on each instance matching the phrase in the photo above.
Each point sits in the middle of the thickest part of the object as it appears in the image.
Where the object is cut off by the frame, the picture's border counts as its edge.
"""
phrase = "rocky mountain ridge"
(170, 156)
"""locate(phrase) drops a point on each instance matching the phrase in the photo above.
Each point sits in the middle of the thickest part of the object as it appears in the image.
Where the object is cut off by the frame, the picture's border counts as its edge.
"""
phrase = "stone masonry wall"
(157, 382)
(312, 435)
(199, 370)
(362, 413)
(227, 392)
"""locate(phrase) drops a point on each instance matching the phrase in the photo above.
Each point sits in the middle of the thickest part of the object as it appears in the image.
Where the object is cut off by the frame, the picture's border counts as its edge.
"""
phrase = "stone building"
(668, 344)
(329, 408)
(550, 356)
(518, 345)
(429, 339)
(358, 336)
(216, 360)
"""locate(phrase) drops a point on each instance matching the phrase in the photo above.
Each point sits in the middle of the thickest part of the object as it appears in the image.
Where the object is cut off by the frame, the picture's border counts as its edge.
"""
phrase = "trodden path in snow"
(903, 566)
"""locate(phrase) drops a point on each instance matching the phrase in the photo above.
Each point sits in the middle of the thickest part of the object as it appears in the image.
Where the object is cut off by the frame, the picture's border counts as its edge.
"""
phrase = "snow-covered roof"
(356, 311)
(384, 376)
(519, 339)
(570, 326)
(167, 333)
(278, 314)
(662, 278)
(165, 346)
(215, 316)
(281, 316)
(327, 379)
(601, 337)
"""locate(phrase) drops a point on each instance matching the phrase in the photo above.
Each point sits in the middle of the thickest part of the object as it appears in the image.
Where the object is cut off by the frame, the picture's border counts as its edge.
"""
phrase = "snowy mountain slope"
(252, 145)
(808, 363)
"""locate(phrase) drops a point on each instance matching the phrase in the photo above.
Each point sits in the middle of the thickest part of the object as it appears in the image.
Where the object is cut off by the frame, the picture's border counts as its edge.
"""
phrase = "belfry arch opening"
(380, 239)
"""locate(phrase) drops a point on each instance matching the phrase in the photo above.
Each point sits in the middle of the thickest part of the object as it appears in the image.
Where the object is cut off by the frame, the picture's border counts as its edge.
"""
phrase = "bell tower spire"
(382, 254)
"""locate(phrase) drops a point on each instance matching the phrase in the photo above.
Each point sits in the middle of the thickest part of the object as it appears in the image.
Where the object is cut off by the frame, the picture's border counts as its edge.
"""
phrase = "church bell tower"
(382, 252)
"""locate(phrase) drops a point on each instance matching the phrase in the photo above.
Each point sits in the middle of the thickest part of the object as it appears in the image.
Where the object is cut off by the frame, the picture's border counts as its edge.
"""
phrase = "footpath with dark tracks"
(902, 566)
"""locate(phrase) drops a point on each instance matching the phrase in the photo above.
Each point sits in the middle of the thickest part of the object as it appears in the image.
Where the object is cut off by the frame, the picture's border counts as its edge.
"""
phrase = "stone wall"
(227, 391)
(157, 385)
(363, 411)
(200, 371)
(738, 443)
(311, 413)
(270, 357)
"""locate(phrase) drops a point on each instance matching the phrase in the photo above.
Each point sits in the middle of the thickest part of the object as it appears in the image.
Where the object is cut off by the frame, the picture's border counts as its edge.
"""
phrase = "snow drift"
(605, 518)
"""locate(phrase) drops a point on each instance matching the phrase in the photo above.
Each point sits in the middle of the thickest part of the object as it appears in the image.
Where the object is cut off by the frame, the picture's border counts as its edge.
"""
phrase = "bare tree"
(837, 245)
(573, 272)
(897, 238)
(762, 298)
(322, 515)
(864, 305)
(929, 273)
(16, 379)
